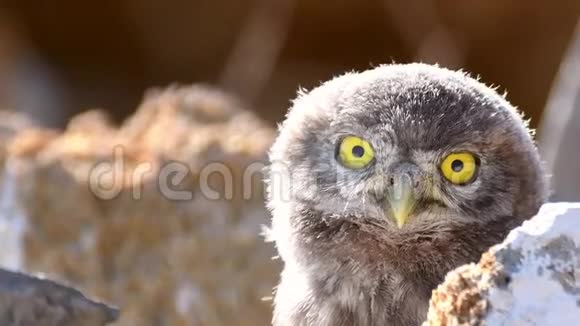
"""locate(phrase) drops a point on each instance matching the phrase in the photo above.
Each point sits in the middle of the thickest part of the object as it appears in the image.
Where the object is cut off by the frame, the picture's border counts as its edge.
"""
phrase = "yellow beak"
(402, 199)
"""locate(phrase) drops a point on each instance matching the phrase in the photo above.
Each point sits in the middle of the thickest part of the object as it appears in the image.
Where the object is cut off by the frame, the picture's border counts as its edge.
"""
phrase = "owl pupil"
(457, 165)
(358, 151)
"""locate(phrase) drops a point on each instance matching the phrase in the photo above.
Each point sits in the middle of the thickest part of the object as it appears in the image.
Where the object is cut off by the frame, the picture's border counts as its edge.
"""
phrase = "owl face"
(410, 146)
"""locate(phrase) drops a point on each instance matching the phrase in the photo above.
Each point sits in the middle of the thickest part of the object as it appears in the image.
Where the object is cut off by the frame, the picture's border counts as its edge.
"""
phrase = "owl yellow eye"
(459, 168)
(355, 152)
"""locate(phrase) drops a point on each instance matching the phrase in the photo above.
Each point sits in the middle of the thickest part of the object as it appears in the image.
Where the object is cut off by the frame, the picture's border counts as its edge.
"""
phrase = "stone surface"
(103, 212)
(532, 278)
(27, 300)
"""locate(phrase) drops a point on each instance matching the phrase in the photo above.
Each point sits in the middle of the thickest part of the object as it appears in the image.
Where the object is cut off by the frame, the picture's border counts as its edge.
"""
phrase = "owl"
(381, 182)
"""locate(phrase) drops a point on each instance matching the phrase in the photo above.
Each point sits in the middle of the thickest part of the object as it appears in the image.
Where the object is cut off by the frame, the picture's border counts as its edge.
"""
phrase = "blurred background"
(58, 59)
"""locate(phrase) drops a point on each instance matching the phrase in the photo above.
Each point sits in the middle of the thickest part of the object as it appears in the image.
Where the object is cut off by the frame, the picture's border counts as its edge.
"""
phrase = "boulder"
(161, 215)
(532, 278)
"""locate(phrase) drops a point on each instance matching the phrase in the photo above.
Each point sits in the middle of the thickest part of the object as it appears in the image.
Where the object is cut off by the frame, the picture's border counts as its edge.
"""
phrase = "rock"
(138, 216)
(27, 300)
(532, 278)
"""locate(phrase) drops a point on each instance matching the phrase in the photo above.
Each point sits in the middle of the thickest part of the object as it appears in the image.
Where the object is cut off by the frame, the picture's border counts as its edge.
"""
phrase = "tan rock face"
(153, 216)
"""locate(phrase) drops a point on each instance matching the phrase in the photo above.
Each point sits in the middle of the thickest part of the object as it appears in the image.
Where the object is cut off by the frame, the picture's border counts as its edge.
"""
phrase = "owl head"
(408, 147)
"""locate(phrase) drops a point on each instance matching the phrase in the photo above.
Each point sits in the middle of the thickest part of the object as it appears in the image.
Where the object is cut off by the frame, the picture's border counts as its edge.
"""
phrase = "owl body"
(381, 182)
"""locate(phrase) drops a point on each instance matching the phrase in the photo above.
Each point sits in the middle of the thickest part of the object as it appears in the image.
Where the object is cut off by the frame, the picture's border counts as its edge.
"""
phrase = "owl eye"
(459, 168)
(355, 153)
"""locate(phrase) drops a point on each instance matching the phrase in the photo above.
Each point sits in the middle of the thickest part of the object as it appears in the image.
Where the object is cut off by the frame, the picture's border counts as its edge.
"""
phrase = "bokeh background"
(68, 56)
(61, 58)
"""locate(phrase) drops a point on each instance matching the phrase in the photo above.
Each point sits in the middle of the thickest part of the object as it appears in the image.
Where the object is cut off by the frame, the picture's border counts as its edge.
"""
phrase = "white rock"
(532, 278)
(542, 258)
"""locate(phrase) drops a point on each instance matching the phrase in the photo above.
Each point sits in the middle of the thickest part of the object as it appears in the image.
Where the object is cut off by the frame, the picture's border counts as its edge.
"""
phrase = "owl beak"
(401, 197)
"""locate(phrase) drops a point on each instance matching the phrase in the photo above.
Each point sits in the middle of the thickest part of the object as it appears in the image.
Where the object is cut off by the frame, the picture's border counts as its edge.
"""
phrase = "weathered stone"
(27, 300)
(532, 278)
